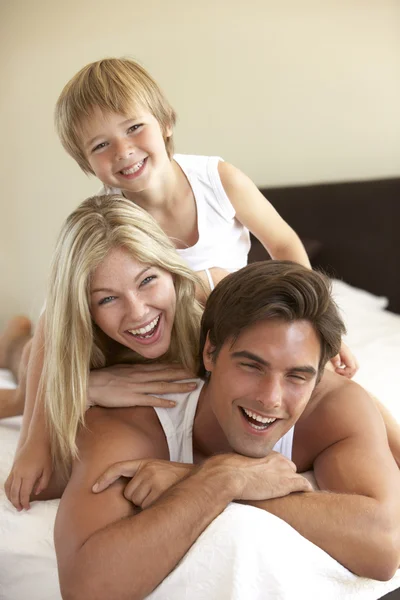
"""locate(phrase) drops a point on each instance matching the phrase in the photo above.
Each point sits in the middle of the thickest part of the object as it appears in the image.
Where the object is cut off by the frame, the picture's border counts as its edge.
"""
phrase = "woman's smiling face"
(133, 303)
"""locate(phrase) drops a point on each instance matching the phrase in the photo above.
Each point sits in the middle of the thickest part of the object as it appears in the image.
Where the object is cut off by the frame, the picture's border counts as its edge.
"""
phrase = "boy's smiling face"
(126, 152)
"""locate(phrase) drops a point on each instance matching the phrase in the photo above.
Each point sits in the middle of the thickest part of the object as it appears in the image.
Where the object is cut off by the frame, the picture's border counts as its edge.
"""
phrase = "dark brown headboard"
(357, 225)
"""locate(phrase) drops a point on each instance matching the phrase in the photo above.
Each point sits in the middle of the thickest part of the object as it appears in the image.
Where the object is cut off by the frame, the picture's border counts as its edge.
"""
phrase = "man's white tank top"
(177, 423)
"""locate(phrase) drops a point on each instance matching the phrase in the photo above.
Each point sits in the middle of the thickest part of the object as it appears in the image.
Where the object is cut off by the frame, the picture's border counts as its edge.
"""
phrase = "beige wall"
(289, 91)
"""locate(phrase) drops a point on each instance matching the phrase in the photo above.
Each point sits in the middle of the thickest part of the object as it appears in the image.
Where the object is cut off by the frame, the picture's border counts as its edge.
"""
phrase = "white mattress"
(246, 553)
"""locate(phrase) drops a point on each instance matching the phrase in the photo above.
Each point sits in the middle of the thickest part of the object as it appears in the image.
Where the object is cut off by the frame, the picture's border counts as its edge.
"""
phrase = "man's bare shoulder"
(110, 435)
(339, 408)
(126, 428)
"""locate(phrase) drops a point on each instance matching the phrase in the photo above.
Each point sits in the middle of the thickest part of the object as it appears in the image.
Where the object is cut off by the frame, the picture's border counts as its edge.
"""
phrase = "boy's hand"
(136, 385)
(150, 478)
(345, 363)
(30, 473)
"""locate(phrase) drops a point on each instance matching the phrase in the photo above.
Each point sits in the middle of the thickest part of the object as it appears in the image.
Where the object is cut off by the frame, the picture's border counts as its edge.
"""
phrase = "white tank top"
(223, 241)
(177, 423)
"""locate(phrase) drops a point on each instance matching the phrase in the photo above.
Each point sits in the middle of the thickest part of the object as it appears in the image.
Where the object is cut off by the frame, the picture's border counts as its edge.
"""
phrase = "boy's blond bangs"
(113, 85)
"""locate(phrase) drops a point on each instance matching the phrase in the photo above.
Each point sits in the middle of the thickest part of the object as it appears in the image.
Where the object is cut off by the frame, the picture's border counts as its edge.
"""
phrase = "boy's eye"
(106, 300)
(147, 280)
(99, 146)
(133, 128)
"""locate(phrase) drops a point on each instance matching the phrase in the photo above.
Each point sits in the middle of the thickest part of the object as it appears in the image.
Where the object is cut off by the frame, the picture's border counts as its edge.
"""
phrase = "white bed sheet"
(246, 553)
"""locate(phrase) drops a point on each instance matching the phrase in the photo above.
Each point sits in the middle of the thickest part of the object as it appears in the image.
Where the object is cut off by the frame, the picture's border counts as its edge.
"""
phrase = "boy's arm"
(356, 516)
(257, 214)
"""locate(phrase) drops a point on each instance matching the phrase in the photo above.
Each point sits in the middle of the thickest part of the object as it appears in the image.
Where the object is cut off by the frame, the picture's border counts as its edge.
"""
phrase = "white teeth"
(143, 330)
(259, 418)
(133, 169)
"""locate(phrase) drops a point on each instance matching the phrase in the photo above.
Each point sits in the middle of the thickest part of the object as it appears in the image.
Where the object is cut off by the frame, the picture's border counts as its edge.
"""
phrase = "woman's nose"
(135, 310)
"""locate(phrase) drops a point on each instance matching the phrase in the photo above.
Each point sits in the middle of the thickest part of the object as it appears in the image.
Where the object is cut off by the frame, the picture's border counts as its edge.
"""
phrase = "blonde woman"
(95, 317)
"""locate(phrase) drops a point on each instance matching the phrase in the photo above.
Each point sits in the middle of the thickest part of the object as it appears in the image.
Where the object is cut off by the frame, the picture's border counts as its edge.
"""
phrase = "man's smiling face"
(261, 382)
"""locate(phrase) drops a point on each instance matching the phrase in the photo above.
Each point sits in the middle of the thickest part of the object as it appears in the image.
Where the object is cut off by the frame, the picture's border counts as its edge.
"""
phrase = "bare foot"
(17, 328)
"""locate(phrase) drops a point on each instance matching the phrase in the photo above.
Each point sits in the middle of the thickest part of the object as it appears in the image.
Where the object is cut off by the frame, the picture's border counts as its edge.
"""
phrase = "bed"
(245, 554)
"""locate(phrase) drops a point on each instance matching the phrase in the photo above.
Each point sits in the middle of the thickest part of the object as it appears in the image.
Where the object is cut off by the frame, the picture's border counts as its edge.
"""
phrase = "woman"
(95, 317)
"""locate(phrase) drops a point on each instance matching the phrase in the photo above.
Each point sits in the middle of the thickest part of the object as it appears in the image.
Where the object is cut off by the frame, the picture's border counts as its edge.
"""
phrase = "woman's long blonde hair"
(73, 343)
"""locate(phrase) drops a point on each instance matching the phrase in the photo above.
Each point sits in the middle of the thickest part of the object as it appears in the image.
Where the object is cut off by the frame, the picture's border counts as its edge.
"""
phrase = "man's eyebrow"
(250, 356)
(307, 369)
(138, 276)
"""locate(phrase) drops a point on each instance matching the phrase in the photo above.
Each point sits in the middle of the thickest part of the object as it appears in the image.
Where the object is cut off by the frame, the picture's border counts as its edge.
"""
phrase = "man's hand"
(137, 385)
(258, 478)
(150, 479)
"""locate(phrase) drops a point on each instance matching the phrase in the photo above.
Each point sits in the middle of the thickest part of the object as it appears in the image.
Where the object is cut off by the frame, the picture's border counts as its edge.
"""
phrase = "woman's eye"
(99, 146)
(147, 280)
(134, 127)
(106, 300)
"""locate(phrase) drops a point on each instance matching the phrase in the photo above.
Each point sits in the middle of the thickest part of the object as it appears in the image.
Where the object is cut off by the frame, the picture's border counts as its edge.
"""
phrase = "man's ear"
(208, 354)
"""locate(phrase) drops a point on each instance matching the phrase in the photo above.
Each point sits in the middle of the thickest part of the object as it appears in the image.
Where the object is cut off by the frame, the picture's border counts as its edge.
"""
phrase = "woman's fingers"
(164, 387)
(14, 493)
(43, 481)
(158, 375)
(25, 492)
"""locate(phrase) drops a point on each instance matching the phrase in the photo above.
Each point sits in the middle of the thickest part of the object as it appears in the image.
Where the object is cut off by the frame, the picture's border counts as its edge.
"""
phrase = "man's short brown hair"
(271, 290)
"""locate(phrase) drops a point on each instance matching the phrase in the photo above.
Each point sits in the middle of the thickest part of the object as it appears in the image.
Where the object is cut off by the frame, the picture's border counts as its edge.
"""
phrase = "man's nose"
(269, 393)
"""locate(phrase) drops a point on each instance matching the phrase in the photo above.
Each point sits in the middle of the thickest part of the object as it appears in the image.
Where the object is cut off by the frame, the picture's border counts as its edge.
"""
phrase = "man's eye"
(106, 300)
(99, 146)
(147, 280)
(298, 377)
(250, 366)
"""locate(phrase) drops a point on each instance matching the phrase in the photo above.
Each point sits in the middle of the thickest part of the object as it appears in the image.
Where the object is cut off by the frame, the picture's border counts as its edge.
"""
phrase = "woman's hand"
(150, 479)
(345, 363)
(30, 473)
(137, 385)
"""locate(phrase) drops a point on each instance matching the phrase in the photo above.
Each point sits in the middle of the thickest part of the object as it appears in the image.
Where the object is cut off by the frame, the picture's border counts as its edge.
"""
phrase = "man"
(267, 333)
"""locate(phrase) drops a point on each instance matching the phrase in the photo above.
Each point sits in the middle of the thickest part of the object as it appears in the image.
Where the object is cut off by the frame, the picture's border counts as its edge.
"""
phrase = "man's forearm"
(129, 558)
(355, 530)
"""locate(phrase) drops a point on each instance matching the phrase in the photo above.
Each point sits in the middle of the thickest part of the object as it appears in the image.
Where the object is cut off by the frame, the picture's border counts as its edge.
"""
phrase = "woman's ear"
(208, 354)
(169, 130)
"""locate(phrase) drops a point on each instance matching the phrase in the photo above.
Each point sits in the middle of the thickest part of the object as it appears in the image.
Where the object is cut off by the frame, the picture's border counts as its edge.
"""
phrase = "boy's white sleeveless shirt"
(223, 241)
